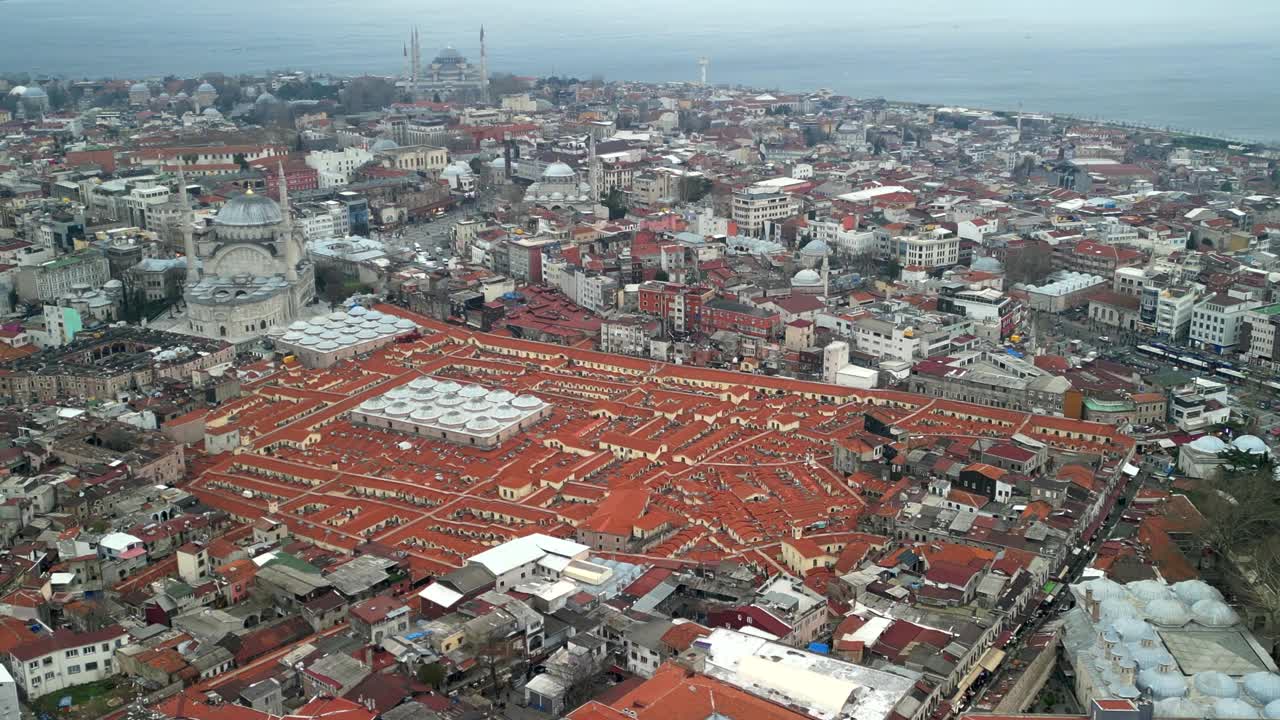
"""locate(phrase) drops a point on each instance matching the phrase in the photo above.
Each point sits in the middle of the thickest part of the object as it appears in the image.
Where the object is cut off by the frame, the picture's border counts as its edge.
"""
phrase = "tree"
(694, 187)
(616, 201)
(331, 285)
(1030, 264)
(1241, 514)
(239, 159)
(661, 276)
(433, 674)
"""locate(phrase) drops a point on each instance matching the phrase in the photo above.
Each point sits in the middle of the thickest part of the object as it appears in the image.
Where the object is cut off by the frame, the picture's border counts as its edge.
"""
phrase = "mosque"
(255, 277)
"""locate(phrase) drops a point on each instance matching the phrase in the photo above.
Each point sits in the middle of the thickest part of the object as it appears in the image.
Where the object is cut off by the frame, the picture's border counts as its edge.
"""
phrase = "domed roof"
(498, 163)
(1103, 588)
(1214, 613)
(1251, 444)
(18, 90)
(34, 91)
(448, 55)
(1168, 612)
(206, 88)
(457, 168)
(383, 144)
(1233, 708)
(1193, 591)
(1132, 629)
(1272, 710)
(139, 87)
(558, 170)
(265, 98)
(1216, 684)
(1179, 707)
(1148, 590)
(816, 248)
(249, 210)
(1209, 444)
(211, 112)
(1263, 687)
(807, 277)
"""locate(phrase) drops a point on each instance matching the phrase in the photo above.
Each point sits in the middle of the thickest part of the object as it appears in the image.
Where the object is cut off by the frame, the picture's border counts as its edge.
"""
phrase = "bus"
(1152, 351)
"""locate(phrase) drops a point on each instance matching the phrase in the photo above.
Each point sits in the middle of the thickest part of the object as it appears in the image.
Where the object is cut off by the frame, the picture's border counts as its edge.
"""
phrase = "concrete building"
(55, 278)
(1216, 322)
(1174, 308)
(756, 207)
(52, 662)
(1261, 325)
(991, 378)
(9, 707)
(935, 249)
(335, 167)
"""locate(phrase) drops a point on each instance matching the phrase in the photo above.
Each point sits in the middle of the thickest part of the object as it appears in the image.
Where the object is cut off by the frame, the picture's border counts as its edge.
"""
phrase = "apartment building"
(934, 249)
(1216, 322)
(58, 660)
(755, 207)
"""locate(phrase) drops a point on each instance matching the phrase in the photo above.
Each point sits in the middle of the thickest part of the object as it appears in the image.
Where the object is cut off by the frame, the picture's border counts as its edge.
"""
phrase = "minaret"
(290, 243)
(703, 62)
(415, 60)
(826, 276)
(593, 169)
(484, 69)
(188, 241)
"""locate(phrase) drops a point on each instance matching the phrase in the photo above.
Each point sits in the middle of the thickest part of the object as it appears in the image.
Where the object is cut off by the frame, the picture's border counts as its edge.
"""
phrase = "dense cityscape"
(462, 394)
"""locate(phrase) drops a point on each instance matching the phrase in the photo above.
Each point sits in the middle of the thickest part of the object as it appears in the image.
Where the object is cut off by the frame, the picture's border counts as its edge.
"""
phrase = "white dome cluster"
(449, 410)
(344, 329)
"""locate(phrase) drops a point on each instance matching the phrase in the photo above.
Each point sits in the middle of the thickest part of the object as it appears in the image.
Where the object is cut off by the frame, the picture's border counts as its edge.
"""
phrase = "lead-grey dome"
(139, 87)
(1179, 707)
(206, 88)
(383, 144)
(448, 56)
(1162, 685)
(558, 170)
(249, 210)
(1216, 684)
(1233, 708)
(34, 91)
(1263, 687)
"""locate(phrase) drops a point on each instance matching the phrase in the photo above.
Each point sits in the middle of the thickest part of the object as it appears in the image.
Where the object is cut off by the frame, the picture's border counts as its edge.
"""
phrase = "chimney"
(368, 656)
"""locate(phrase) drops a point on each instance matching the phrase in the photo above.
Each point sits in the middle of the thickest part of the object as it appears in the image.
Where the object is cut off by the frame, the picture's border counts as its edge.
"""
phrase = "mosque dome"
(1233, 708)
(816, 248)
(139, 88)
(180, 96)
(265, 98)
(1216, 684)
(449, 55)
(383, 144)
(211, 113)
(1209, 444)
(806, 278)
(1148, 590)
(1179, 707)
(1214, 613)
(1162, 684)
(18, 90)
(1168, 612)
(558, 170)
(249, 210)
(1251, 444)
(457, 168)
(206, 88)
(1263, 687)
(1193, 591)
(34, 92)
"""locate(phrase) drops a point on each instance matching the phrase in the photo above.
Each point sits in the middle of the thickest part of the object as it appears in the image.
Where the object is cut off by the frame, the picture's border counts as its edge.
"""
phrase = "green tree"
(433, 674)
(239, 159)
(616, 201)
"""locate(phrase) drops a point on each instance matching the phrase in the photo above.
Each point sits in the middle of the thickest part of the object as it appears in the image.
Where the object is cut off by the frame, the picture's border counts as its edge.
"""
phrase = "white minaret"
(290, 243)
(188, 240)
(593, 170)
(484, 68)
(703, 62)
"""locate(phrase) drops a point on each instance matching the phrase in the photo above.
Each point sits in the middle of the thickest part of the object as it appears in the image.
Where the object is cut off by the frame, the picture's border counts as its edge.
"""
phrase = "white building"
(9, 708)
(537, 555)
(1174, 308)
(1216, 321)
(335, 167)
(835, 356)
(843, 236)
(54, 661)
(1262, 326)
(938, 248)
(756, 206)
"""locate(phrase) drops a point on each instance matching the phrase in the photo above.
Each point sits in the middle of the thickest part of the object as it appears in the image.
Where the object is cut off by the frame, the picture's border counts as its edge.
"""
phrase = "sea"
(1209, 68)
